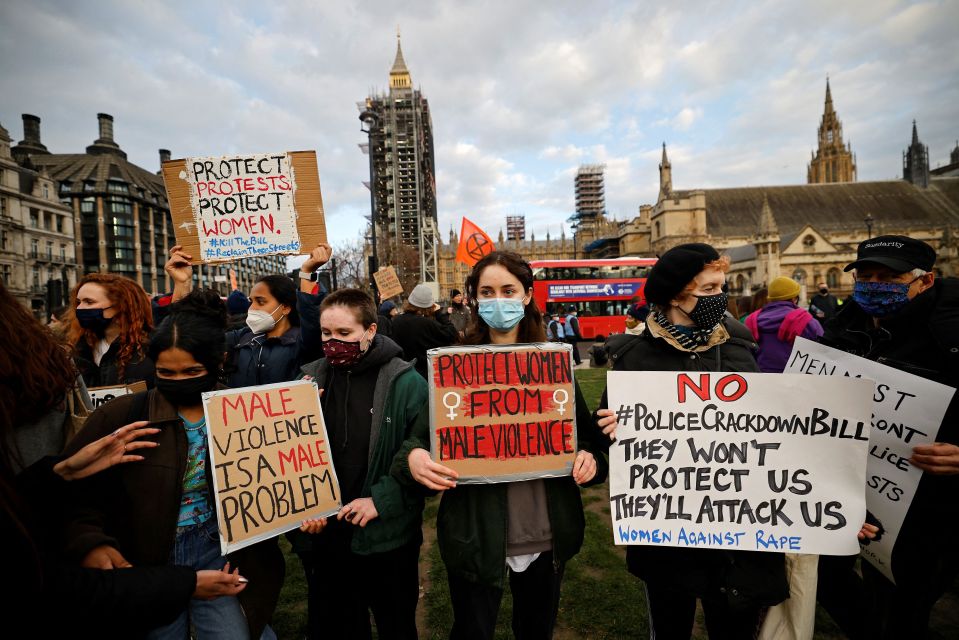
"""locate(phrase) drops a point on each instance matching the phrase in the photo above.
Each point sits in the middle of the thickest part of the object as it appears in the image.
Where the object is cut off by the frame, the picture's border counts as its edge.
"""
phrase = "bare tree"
(350, 264)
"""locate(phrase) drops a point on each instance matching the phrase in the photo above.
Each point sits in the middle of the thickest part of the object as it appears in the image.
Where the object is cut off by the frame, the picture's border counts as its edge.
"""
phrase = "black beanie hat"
(455, 292)
(675, 269)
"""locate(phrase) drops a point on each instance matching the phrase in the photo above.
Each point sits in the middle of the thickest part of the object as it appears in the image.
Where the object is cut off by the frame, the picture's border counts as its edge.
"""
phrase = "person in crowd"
(756, 302)
(367, 558)
(777, 325)
(555, 329)
(59, 322)
(422, 326)
(823, 305)
(237, 304)
(523, 532)
(110, 330)
(903, 316)
(282, 323)
(687, 330)
(636, 318)
(384, 318)
(459, 312)
(161, 512)
(51, 597)
(572, 333)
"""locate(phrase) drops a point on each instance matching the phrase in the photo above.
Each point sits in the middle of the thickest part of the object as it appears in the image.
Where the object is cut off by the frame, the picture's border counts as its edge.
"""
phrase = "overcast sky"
(521, 92)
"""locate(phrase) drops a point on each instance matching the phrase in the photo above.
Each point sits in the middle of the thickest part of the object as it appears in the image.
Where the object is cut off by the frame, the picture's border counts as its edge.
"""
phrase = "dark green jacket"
(399, 397)
(472, 520)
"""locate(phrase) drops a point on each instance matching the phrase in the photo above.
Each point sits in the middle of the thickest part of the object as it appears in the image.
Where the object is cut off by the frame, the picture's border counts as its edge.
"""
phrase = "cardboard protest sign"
(102, 395)
(232, 207)
(271, 462)
(387, 282)
(747, 461)
(907, 411)
(503, 413)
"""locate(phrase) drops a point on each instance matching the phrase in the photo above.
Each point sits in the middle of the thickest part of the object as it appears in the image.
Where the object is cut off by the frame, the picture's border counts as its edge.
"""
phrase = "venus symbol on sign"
(456, 403)
(561, 393)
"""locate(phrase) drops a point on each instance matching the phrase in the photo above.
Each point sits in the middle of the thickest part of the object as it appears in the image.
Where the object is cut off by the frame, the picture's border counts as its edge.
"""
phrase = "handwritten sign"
(271, 461)
(744, 461)
(232, 207)
(907, 411)
(102, 395)
(503, 413)
(387, 282)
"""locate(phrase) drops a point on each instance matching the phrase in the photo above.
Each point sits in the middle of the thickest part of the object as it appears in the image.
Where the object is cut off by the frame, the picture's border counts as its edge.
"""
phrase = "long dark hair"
(36, 372)
(531, 326)
(196, 324)
(283, 289)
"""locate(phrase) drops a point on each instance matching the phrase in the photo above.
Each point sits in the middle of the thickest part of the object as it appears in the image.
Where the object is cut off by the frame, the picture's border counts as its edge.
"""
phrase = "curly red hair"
(133, 318)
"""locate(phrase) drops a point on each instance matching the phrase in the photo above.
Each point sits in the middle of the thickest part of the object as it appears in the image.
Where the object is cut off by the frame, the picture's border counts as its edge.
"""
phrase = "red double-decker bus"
(600, 290)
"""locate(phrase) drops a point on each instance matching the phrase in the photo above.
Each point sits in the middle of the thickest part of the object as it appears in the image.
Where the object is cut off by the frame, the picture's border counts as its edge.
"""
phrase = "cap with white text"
(899, 253)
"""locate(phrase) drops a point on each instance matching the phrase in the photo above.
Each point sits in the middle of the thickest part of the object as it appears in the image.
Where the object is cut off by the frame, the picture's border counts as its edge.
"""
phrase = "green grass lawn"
(600, 599)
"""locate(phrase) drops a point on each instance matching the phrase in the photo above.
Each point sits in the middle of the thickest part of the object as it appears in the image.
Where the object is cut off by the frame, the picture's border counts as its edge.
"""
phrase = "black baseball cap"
(899, 253)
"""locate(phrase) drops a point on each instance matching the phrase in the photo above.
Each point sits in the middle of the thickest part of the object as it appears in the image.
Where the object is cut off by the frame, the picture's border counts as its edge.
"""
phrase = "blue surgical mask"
(879, 299)
(502, 314)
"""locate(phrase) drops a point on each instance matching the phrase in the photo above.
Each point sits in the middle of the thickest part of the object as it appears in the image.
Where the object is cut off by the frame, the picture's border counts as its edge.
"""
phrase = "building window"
(36, 277)
(809, 243)
(63, 252)
(832, 278)
(34, 218)
(117, 186)
(46, 191)
(89, 185)
(49, 250)
(4, 239)
(60, 223)
(799, 276)
(7, 274)
(3, 206)
(34, 248)
(88, 205)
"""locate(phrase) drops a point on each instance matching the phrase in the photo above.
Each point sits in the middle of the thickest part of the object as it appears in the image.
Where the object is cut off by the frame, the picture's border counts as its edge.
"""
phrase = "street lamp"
(869, 220)
(370, 120)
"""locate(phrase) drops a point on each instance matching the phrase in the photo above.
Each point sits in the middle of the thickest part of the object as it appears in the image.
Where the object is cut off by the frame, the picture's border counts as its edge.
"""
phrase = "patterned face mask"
(343, 354)
(709, 310)
(880, 299)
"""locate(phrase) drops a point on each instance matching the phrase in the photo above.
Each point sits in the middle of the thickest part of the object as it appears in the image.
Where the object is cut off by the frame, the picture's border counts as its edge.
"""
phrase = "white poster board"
(752, 461)
(907, 412)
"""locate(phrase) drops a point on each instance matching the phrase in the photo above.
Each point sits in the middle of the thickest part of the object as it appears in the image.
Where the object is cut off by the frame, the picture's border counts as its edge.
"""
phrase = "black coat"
(107, 373)
(922, 339)
(744, 578)
(417, 334)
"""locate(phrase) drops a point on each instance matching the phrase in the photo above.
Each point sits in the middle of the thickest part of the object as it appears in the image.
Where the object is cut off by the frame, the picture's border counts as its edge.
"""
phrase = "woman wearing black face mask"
(109, 328)
(366, 558)
(687, 331)
(161, 511)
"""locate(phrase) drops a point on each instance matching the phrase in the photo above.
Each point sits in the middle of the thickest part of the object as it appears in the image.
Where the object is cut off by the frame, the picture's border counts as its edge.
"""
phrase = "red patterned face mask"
(340, 353)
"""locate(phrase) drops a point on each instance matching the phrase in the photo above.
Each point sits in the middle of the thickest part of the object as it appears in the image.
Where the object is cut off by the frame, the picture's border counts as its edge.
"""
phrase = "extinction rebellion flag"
(474, 244)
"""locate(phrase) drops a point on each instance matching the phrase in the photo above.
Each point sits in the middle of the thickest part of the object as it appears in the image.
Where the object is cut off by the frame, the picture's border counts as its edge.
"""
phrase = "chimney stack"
(164, 155)
(106, 127)
(31, 143)
(105, 143)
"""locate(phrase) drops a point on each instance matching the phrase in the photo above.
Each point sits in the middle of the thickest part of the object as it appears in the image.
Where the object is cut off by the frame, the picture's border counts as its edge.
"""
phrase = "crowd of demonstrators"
(904, 317)
(422, 326)
(133, 490)
(110, 330)
(688, 330)
(776, 326)
(750, 304)
(366, 559)
(823, 305)
(51, 595)
(520, 532)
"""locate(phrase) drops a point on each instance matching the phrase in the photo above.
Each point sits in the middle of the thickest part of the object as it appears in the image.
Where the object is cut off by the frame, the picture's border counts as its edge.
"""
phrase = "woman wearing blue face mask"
(523, 532)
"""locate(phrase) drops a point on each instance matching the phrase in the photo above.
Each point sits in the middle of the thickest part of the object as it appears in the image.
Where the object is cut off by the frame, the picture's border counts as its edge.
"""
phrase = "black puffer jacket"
(745, 578)
(107, 373)
(418, 334)
(922, 339)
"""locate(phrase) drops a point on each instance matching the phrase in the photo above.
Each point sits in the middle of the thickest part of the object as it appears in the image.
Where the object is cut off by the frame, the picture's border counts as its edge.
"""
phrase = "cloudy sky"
(522, 92)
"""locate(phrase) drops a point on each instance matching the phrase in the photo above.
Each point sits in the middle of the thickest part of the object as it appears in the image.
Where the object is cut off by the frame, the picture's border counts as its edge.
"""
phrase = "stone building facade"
(38, 262)
(120, 219)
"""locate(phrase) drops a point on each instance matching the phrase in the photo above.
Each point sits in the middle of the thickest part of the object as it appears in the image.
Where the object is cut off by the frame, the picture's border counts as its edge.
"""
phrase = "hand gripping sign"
(503, 413)
(747, 461)
(271, 462)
